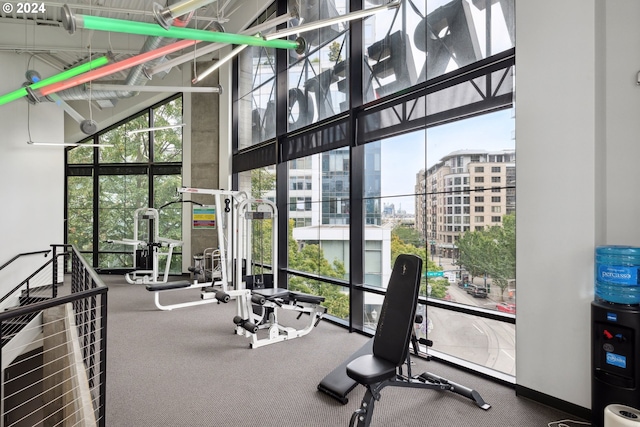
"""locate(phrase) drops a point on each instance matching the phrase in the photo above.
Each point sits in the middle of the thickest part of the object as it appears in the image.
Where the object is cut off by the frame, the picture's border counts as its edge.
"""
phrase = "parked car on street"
(477, 291)
(506, 307)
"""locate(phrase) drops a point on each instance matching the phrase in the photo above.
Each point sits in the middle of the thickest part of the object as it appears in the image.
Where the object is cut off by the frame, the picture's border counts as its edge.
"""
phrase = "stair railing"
(24, 254)
(38, 275)
(83, 360)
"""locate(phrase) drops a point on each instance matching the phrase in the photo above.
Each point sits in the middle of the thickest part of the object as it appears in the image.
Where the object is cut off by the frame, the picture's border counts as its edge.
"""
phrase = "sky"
(403, 157)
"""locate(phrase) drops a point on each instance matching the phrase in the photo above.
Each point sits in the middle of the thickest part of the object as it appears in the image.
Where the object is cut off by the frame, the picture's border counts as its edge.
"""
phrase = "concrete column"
(205, 152)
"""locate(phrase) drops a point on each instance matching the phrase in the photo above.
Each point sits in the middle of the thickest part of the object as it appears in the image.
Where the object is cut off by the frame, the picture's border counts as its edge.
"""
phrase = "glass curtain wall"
(105, 187)
(394, 134)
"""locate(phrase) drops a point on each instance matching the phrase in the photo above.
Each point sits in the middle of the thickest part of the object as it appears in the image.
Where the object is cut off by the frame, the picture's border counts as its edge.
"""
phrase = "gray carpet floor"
(187, 367)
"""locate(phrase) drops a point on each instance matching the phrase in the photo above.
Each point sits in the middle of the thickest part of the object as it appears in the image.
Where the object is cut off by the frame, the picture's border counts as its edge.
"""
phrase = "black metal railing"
(24, 254)
(87, 302)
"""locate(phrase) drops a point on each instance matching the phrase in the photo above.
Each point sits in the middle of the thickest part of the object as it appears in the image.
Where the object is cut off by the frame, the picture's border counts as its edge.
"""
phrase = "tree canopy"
(491, 251)
(127, 170)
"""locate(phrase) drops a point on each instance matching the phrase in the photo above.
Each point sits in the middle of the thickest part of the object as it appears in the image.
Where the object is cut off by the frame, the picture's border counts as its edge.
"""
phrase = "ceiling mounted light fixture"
(72, 72)
(167, 65)
(117, 66)
(219, 63)
(164, 16)
(152, 129)
(72, 22)
(67, 144)
(316, 25)
(146, 88)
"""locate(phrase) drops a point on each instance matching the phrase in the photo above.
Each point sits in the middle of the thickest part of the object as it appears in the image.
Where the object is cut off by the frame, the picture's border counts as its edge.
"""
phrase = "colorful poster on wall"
(204, 216)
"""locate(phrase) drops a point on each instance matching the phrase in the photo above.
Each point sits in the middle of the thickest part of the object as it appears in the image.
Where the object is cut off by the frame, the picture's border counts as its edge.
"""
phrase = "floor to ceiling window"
(141, 167)
(394, 134)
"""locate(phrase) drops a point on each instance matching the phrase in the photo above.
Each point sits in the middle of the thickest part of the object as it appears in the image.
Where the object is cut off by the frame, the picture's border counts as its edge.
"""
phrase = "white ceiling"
(42, 34)
(41, 38)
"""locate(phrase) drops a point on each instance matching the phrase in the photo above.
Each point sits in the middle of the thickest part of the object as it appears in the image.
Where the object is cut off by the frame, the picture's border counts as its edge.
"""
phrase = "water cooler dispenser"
(615, 330)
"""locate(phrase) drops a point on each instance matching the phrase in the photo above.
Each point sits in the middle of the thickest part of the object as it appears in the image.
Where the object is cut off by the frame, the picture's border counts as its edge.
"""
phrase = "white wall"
(31, 178)
(623, 123)
(577, 121)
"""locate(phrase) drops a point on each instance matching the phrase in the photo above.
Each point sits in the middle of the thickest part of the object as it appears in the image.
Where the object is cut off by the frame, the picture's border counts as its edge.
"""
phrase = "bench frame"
(267, 302)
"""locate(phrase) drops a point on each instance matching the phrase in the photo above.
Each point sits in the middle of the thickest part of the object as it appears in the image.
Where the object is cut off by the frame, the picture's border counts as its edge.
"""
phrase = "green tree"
(334, 52)
(491, 251)
(121, 193)
(402, 242)
(409, 235)
(310, 258)
(262, 182)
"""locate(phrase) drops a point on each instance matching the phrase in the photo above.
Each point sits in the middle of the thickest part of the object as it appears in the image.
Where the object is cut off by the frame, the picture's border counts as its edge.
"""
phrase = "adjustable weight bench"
(394, 333)
(258, 309)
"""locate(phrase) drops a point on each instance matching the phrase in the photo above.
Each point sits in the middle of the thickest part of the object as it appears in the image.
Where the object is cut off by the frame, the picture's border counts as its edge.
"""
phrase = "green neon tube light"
(71, 72)
(71, 22)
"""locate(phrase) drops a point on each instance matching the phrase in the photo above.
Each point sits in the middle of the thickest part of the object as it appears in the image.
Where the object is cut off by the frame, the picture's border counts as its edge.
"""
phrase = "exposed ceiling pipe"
(165, 16)
(167, 65)
(136, 76)
(86, 126)
(147, 88)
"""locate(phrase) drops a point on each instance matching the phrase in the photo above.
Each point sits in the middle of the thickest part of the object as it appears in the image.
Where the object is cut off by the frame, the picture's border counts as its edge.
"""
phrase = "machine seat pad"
(369, 369)
(287, 295)
(167, 286)
(311, 299)
(272, 293)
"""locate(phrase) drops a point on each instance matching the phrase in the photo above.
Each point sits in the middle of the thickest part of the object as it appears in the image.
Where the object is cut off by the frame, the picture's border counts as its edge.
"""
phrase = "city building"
(466, 190)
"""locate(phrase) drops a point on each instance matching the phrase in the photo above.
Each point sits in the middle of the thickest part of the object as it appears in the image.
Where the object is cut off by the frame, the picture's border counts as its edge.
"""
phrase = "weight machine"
(146, 249)
(232, 261)
(259, 304)
(213, 277)
(230, 271)
(222, 275)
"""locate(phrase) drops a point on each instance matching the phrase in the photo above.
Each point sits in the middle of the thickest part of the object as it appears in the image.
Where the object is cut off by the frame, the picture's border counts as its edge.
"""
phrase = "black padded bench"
(272, 294)
(383, 367)
(168, 286)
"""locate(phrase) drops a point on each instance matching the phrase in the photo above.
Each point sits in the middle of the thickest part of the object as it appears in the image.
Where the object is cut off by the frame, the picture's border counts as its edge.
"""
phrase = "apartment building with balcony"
(467, 190)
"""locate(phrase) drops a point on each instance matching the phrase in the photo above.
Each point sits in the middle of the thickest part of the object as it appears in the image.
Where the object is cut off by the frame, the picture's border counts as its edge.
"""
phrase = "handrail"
(89, 300)
(19, 285)
(43, 305)
(25, 254)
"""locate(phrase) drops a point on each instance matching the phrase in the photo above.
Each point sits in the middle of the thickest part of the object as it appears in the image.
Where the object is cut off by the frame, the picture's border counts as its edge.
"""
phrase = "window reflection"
(256, 84)
(444, 34)
(318, 79)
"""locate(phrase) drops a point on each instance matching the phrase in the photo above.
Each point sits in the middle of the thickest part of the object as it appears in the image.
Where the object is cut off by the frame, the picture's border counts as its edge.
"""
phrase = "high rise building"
(467, 190)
